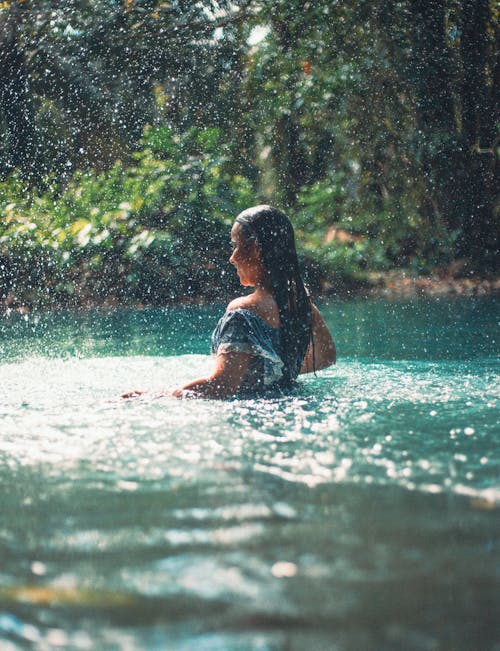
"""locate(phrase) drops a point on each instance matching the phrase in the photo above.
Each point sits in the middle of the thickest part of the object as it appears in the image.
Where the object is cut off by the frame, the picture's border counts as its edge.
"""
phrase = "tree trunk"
(478, 237)
(438, 140)
(16, 104)
(289, 157)
(455, 162)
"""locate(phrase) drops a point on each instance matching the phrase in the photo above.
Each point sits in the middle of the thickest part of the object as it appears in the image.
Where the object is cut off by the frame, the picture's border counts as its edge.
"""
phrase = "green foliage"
(347, 237)
(153, 232)
(372, 123)
(80, 79)
(402, 92)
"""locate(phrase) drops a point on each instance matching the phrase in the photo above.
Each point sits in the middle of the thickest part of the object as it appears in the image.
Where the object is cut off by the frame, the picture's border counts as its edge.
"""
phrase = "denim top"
(244, 331)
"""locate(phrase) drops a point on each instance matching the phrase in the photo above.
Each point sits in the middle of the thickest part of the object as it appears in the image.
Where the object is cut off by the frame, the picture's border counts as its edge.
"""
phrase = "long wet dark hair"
(273, 232)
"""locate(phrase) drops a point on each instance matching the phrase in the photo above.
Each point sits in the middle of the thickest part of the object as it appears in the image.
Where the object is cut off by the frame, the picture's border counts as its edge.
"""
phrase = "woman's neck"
(263, 291)
(262, 283)
(262, 301)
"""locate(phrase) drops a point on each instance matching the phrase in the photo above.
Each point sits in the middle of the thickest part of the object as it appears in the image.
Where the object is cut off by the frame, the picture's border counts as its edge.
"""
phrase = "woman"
(265, 339)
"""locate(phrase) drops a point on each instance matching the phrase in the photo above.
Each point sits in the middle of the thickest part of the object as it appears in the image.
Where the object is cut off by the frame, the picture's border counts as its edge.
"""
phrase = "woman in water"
(265, 339)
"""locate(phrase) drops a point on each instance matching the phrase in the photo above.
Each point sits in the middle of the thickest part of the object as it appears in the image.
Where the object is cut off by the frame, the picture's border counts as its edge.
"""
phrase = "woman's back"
(242, 331)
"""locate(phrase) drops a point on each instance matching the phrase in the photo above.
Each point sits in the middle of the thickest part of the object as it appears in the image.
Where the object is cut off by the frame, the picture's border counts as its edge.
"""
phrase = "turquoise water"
(359, 513)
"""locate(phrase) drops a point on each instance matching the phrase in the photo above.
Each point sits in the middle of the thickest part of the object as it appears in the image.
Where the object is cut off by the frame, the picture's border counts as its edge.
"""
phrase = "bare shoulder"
(240, 303)
(264, 307)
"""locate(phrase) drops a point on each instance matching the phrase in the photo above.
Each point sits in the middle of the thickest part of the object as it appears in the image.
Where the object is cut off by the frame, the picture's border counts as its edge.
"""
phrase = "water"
(358, 513)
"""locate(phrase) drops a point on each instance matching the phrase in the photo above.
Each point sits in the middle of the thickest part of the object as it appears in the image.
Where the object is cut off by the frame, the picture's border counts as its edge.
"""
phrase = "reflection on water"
(358, 513)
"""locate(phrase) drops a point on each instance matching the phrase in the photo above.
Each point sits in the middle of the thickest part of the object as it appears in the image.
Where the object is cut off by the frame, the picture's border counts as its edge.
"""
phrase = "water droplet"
(284, 570)
(57, 637)
(38, 568)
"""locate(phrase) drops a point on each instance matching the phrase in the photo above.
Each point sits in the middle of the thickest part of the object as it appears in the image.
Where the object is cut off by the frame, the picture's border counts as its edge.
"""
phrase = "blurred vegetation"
(132, 132)
(153, 232)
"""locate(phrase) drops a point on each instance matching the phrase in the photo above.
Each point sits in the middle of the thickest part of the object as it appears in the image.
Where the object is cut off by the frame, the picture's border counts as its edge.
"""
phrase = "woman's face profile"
(245, 257)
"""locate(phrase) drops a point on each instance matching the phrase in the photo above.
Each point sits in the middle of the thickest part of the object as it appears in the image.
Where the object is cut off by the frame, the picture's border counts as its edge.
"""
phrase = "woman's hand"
(186, 394)
(132, 394)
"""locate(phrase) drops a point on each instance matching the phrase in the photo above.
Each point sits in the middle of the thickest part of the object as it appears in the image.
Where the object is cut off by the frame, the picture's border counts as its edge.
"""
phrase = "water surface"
(358, 513)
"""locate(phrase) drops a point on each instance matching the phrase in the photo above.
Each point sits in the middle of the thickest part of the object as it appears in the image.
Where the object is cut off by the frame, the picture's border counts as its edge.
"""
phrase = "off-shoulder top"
(244, 331)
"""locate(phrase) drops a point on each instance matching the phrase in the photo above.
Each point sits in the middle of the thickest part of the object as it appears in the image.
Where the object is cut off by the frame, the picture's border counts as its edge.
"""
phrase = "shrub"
(153, 232)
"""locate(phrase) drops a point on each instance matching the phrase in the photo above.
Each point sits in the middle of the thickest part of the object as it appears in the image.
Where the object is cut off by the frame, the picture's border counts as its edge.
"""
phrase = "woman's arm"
(324, 346)
(224, 381)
